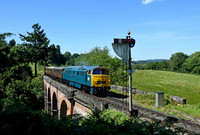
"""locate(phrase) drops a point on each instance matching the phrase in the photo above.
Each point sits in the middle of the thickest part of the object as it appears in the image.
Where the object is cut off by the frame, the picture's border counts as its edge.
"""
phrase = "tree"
(52, 53)
(177, 61)
(72, 61)
(139, 66)
(152, 66)
(17, 55)
(12, 43)
(55, 56)
(37, 45)
(67, 56)
(192, 64)
(4, 51)
(95, 57)
(60, 59)
(164, 65)
(3, 37)
(101, 57)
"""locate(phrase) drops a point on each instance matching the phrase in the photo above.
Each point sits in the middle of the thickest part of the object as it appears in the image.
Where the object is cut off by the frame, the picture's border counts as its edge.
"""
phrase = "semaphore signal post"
(122, 48)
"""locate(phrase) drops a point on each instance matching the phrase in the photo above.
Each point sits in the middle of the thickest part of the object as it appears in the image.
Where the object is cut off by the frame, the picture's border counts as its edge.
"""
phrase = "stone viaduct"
(61, 100)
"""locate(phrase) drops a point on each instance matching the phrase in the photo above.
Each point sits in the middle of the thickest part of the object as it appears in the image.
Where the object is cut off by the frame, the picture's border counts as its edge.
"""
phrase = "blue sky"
(160, 27)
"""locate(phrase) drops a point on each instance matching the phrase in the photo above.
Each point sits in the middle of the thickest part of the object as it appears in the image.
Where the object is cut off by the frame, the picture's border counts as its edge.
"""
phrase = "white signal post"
(122, 48)
(130, 78)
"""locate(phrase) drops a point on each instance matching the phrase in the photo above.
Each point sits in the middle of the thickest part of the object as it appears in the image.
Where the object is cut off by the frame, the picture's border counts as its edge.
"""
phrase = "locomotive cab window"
(99, 71)
(89, 72)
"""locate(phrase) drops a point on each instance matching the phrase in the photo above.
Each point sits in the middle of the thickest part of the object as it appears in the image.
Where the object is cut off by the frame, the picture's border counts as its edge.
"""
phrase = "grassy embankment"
(172, 84)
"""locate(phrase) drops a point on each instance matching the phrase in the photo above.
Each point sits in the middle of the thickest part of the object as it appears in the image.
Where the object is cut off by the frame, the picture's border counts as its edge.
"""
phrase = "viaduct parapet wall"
(61, 100)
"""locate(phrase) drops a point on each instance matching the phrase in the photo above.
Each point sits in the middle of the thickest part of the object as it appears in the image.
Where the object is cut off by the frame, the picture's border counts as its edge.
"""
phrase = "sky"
(160, 27)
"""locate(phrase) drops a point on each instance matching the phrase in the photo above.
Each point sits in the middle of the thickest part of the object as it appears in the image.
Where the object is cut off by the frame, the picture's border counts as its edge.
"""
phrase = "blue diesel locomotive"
(91, 79)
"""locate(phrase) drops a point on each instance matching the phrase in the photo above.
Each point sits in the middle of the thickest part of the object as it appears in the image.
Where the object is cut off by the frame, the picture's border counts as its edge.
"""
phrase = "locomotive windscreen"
(99, 71)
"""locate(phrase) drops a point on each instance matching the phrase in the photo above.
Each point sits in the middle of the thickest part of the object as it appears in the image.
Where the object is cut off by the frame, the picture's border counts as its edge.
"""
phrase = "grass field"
(171, 83)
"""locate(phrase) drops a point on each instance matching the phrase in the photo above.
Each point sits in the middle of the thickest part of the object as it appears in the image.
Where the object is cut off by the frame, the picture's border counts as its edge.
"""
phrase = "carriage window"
(99, 71)
(77, 72)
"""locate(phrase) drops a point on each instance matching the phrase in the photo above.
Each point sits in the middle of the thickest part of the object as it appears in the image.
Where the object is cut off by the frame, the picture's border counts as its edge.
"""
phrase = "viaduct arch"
(59, 99)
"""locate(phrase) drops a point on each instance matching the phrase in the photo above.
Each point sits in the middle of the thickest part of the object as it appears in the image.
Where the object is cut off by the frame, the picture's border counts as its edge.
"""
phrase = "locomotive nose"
(101, 81)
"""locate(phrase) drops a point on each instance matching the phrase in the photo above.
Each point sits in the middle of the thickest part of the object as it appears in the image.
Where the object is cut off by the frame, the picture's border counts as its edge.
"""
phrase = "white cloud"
(147, 1)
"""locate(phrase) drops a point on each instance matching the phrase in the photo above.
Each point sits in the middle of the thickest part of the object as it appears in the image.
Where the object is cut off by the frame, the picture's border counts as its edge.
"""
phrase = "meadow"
(171, 83)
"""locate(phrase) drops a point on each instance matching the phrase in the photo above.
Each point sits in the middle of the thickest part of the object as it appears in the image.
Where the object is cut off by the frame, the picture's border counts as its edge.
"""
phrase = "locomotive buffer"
(122, 48)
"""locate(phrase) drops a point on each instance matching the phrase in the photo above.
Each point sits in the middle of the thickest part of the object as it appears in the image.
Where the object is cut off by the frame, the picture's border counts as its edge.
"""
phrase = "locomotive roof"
(82, 68)
(60, 68)
(75, 68)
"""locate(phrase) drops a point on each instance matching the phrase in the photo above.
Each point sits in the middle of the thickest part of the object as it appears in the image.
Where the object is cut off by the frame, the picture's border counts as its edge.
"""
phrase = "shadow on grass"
(117, 95)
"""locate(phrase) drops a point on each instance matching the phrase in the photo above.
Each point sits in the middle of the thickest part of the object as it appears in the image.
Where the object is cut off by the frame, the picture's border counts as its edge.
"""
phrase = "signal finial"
(129, 33)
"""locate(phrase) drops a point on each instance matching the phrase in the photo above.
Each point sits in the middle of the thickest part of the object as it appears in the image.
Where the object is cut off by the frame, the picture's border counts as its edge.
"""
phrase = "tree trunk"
(35, 68)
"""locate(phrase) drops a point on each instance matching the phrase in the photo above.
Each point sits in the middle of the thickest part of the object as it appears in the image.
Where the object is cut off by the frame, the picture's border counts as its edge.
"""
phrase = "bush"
(20, 119)
(28, 92)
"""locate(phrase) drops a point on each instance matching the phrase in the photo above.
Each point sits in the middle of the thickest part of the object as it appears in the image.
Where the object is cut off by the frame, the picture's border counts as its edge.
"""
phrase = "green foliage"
(36, 44)
(16, 54)
(95, 57)
(192, 64)
(11, 54)
(3, 37)
(190, 110)
(16, 83)
(163, 65)
(177, 61)
(152, 66)
(144, 99)
(67, 56)
(55, 56)
(4, 51)
(29, 92)
(40, 68)
(18, 72)
(37, 88)
(71, 60)
(117, 70)
(98, 56)
(21, 120)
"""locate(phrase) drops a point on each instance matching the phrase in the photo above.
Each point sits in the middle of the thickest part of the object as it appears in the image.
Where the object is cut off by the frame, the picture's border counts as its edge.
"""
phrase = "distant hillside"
(171, 83)
(147, 61)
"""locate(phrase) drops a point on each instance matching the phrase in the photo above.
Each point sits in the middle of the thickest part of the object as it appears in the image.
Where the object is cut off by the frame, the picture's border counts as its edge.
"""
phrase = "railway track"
(187, 125)
(112, 102)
